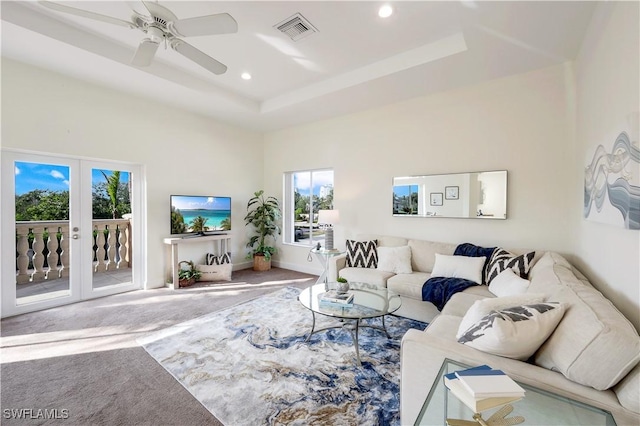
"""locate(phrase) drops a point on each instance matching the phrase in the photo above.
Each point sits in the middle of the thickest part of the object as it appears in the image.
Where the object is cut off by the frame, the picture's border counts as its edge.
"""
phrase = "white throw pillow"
(515, 332)
(508, 283)
(469, 268)
(395, 259)
(483, 307)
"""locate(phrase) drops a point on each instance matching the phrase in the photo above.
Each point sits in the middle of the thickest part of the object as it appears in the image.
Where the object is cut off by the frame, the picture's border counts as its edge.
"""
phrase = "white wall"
(607, 81)
(182, 153)
(521, 124)
(541, 126)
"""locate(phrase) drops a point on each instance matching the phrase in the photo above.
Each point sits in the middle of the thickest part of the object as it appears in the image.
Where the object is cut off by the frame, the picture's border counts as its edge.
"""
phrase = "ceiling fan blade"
(222, 23)
(86, 14)
(145, 53)
(205, 61)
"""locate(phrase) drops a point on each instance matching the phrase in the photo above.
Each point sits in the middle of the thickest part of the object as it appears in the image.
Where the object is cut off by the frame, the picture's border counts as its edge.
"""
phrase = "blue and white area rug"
(249, 365)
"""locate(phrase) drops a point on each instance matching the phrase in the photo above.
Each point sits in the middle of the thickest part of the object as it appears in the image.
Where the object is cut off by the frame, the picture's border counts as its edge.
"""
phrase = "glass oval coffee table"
(368, 302)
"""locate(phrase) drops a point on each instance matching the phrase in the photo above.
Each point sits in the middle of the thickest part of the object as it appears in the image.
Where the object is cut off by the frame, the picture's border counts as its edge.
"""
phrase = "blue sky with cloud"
(53, 177)
(302, 181)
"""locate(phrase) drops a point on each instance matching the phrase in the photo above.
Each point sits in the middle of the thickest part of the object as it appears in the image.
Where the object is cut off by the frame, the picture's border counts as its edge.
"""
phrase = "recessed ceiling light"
(246, 76)
(385, 11)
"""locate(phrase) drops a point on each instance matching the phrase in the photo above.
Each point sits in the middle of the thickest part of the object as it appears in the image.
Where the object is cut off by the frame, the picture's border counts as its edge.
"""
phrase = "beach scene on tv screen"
(200, 214)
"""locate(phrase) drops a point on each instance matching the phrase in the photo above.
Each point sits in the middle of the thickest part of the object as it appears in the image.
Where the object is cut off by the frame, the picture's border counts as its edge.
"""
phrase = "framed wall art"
(436, 198)
(451, 192)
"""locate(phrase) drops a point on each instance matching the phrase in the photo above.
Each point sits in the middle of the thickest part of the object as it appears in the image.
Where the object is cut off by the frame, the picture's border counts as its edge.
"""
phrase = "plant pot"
(186, 283)
(260, 263)
(342, 287)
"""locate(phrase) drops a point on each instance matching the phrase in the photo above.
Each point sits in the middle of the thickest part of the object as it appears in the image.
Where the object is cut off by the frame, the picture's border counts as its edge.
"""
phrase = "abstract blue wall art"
(612, 184)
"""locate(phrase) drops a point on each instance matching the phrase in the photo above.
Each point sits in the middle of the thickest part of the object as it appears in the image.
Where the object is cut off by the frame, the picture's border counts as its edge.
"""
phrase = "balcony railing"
(42, 248)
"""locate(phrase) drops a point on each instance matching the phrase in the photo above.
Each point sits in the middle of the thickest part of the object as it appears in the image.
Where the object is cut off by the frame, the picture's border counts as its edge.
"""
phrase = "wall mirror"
(481, 195)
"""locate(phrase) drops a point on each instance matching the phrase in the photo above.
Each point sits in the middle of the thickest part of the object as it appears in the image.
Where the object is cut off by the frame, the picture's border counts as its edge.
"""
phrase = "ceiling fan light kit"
(162, 25)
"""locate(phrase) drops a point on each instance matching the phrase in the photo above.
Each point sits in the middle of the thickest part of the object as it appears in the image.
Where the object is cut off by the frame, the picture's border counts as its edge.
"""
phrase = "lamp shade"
(328, 217)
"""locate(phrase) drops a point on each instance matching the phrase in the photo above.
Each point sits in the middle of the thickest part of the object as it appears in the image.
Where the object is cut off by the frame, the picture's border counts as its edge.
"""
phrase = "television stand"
(184, 237)
(221, 244)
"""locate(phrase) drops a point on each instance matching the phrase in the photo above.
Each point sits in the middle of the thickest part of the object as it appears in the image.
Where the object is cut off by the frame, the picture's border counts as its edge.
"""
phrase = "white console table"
(221, 244)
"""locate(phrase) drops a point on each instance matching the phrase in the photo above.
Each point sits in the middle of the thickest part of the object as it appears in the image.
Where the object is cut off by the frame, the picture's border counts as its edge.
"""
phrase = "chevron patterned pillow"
(502, 259)
(212, 259)
(362, 254)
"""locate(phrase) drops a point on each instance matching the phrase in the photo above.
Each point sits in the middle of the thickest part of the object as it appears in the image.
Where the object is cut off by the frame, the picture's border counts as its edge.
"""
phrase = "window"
(306, 192)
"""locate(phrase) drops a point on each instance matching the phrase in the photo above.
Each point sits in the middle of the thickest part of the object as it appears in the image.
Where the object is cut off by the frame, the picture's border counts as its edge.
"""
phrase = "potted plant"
(187, 276)
(342, 285)
(263, 213)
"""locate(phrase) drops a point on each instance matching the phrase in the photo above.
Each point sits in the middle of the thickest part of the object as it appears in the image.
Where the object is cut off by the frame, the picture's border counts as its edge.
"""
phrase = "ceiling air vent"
(296, 27)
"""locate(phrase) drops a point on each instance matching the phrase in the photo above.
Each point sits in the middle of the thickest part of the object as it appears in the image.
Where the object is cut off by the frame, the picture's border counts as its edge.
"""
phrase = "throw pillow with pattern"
(516, 332)
(212, 259)
(502, 259)
(362, 254)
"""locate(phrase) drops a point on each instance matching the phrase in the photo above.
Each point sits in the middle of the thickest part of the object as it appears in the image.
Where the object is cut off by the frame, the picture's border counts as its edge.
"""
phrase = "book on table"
(454, 382)
(489, 383)
(333, 296)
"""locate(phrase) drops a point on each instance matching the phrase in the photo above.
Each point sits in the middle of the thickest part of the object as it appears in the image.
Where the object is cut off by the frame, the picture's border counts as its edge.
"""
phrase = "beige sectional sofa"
(592, 355)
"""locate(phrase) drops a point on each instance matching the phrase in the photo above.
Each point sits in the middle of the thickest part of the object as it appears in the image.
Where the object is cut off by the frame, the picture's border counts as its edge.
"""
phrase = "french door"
(74, 226)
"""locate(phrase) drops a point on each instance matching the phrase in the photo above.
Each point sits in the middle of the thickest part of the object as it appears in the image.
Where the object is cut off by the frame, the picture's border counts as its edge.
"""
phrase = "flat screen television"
(200, 215)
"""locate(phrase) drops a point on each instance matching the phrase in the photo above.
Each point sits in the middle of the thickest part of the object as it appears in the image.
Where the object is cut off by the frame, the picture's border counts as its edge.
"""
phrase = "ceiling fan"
(163, 26)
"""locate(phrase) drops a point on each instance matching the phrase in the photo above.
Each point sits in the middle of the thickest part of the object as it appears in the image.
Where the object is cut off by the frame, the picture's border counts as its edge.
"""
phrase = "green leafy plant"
(341, 280)
(188, 273)
(263, 214)
(113, 184)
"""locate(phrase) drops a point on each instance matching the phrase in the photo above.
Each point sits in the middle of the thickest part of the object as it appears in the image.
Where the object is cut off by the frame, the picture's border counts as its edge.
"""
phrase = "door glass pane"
(42, 231)
(111, 225)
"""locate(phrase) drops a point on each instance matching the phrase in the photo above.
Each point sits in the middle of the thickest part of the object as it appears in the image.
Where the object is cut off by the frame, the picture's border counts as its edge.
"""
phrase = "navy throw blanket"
(438, 290)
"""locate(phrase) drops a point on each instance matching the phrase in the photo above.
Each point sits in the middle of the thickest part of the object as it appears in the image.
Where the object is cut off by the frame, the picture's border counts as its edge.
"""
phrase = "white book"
(476, 405)
(489, 384)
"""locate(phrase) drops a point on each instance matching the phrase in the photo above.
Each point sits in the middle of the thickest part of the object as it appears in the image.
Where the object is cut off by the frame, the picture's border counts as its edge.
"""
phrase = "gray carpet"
(83, 358)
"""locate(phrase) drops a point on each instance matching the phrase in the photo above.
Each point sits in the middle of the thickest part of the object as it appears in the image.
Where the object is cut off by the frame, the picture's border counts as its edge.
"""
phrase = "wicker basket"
(187, 283)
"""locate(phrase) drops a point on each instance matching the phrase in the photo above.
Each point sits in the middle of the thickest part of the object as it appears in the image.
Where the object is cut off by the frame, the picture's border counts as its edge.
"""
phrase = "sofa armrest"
(419, 366)
(336, 263)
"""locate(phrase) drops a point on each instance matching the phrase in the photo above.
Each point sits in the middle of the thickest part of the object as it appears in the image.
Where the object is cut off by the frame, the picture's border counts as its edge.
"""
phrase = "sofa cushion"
(480, 290)
(515, 332)
(502, 259)
(395, 259)
(362, 254)
(591, 331)
(383, 240)
(628, 390)
(366, 275)
(459, 303)
(507, 283)
(423, 253)
(483, 307)
(468, 268)
(408, 285)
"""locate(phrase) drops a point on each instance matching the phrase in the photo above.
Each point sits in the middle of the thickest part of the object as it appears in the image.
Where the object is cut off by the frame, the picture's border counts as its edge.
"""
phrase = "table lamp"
(328, 218)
